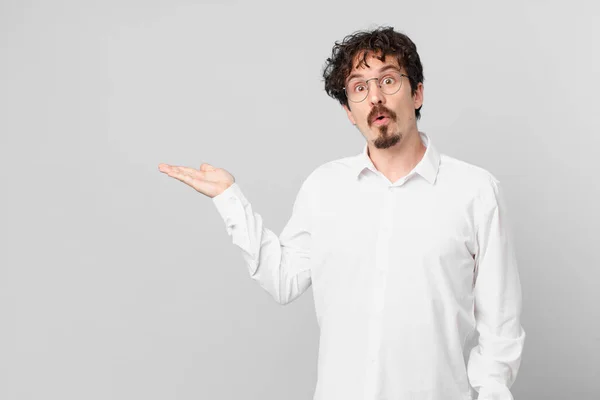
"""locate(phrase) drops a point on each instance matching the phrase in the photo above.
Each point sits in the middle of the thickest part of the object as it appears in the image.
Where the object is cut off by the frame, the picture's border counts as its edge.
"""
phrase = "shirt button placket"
(379, 280)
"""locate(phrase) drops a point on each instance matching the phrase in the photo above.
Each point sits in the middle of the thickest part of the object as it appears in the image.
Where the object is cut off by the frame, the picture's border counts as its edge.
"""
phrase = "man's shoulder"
(460, 170)
(460, 174)
(330, 171)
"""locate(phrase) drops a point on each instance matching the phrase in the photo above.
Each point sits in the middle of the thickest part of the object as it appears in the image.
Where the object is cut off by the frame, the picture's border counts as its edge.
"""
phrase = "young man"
(414, 276)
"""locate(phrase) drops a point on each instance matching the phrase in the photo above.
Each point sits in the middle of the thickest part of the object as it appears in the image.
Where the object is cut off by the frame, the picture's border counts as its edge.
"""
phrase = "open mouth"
(382, 119)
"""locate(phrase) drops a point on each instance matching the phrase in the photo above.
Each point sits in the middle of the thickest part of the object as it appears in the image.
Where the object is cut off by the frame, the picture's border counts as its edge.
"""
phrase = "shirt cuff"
(228, 201)
(493, 390)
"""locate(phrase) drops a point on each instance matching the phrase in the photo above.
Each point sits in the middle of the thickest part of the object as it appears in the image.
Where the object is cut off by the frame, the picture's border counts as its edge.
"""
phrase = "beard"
(385, 139)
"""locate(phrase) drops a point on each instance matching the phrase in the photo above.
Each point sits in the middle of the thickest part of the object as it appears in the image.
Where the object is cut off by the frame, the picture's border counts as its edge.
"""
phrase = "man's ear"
(350, 116)
(418, 96)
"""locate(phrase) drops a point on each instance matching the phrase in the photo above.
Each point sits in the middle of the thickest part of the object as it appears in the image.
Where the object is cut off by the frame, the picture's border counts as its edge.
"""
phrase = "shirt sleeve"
(495, 360)
(281, 264)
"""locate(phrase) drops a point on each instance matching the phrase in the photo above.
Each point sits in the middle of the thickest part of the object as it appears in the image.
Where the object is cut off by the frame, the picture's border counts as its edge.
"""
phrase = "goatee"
(384, 140)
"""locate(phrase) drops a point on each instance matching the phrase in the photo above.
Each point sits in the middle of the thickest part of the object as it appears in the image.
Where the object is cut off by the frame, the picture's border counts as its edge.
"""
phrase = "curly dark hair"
(383, 41)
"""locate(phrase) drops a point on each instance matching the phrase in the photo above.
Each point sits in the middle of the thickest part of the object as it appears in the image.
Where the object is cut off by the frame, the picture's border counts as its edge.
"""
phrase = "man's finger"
(174, 169)
(185, 174)
(181, 175)
(162, 167)
(183, 170)
(205, 167)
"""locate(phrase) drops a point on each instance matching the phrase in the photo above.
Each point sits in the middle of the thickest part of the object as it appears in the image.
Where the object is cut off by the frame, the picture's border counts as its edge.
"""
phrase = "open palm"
(207, 180)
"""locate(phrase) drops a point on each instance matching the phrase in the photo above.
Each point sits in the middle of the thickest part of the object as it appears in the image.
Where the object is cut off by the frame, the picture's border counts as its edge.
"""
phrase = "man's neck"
(397, 161)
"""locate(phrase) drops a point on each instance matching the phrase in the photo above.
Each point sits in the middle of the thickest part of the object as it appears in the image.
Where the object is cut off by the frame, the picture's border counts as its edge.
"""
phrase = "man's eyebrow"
(382, 69)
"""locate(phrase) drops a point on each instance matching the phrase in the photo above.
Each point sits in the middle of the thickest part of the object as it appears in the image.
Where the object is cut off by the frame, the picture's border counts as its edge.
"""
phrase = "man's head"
(373, 74)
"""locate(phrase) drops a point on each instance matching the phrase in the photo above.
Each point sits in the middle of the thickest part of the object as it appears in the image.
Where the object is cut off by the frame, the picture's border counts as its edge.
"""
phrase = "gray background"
(118, 282)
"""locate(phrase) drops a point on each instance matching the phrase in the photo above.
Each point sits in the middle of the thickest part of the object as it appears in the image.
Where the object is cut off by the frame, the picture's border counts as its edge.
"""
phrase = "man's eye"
(359, 88)
(387, 81)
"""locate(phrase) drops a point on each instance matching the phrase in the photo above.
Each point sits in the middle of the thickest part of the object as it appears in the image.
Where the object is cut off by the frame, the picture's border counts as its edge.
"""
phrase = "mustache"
(379, 109)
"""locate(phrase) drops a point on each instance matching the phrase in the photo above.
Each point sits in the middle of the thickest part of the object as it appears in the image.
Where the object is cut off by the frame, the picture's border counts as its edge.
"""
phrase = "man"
(408, 250)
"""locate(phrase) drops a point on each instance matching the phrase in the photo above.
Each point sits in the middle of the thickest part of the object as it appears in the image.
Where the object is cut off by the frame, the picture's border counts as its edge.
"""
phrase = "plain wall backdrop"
(118, 282)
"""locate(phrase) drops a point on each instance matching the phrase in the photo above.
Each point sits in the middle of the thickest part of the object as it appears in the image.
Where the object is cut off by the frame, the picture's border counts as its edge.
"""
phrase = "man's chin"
(385, 142)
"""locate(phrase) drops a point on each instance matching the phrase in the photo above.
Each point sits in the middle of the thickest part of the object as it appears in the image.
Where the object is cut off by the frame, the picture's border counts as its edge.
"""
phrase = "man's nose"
(375, 95)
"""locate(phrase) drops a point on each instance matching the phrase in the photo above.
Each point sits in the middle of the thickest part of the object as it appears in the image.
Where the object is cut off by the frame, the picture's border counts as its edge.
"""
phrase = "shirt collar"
(428, 166)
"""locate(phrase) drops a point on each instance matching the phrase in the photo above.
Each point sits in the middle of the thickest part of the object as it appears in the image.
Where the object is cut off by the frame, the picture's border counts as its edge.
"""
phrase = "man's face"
(398, 109)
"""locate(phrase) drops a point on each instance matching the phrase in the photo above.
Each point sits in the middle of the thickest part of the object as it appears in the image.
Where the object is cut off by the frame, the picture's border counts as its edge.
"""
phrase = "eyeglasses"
(390, 83)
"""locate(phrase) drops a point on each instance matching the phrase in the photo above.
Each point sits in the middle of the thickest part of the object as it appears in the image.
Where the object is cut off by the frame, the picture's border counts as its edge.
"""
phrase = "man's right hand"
(207, 180)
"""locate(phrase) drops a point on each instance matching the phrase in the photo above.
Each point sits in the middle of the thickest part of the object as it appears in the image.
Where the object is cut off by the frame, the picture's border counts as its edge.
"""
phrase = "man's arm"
(280, 264)
(495, 361)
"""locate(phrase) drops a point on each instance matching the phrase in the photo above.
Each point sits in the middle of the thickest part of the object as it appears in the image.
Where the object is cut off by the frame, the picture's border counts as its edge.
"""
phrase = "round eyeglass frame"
(378, 85)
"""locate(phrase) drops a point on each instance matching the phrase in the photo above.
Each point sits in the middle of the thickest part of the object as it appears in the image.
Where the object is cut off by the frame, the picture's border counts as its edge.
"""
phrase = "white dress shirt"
(405, 275)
